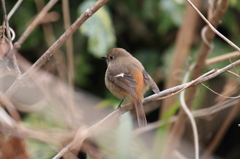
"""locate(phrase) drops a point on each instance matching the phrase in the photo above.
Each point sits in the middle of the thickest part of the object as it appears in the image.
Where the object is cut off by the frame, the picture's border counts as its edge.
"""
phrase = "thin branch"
(14, 9)
(5, 119)
(15, 63)
(10, 107)
(196, 113)
(10, 38)
(234, 66)
(235, 74)
(63, 151)
(6, 20)
(221, 58)
(213, 29)
(220, 94)
(190, 116)
(34, 23)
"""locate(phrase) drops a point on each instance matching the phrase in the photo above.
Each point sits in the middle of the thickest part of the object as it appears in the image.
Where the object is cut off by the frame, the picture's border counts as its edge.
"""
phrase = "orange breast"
(141, 85)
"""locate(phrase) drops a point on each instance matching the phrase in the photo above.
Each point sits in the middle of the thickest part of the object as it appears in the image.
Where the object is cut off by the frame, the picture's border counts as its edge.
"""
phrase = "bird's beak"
(104, 57)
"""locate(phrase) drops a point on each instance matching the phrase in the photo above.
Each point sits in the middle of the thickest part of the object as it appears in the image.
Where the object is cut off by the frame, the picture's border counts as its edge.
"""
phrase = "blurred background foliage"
(145, 28)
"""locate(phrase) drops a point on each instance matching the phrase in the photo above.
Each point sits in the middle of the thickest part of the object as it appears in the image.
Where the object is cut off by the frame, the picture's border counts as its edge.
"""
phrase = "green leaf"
(98, 29)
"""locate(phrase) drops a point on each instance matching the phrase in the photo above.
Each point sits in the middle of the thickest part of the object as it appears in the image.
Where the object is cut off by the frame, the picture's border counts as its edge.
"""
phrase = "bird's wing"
(124, 80)
(150, 82)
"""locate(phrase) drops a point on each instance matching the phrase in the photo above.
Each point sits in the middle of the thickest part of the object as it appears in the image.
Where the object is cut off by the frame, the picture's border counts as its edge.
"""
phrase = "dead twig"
(221, 58)
(14, 9)
(34, 23)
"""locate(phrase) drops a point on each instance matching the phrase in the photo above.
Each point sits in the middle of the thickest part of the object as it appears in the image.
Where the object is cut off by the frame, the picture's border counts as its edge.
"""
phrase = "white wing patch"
(120, 75)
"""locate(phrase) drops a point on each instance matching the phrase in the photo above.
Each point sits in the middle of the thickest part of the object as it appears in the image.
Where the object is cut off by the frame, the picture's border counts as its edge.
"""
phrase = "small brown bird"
(126, 77)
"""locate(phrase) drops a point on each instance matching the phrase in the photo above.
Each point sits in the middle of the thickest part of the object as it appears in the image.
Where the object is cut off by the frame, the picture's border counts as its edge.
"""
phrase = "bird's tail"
(142, 121)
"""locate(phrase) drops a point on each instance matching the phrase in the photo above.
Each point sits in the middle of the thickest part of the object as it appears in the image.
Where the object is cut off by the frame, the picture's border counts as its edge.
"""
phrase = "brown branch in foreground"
(46, 56)
(179, 126)
(10, 108)
(165, 93)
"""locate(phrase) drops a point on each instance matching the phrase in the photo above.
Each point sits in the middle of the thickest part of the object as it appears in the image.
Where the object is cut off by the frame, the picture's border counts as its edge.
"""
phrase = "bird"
(126, 77)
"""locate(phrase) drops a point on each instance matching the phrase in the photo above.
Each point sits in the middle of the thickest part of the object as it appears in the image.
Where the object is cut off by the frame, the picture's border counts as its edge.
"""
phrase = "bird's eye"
(111, 57)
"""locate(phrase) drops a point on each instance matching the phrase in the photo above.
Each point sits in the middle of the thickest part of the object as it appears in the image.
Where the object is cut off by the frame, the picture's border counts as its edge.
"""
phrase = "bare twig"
(63, 151)
(10, 107)
(223, 3)
(5, 119)
(10, 38)
(233, 66)
(34, 23)
(235, 74)
(196, 113)
(14, 9)
(15, 63)
(190, 116)
(219, 94)
(6, 20)
(221, 58)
